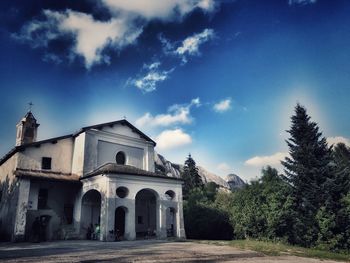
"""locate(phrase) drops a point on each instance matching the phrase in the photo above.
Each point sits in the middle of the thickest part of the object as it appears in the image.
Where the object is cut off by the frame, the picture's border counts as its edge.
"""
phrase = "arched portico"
(90, 213)
(147, 213)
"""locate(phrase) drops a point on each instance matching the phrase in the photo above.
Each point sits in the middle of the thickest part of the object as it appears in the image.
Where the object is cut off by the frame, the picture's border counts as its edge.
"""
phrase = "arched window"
(120, 158)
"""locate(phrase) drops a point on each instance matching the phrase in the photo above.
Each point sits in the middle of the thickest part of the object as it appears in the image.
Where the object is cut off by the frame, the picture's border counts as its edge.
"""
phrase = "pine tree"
(190, 175)
(310, 173)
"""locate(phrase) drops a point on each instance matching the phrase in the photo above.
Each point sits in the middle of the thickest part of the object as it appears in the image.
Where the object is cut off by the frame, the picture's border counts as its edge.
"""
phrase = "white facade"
(71, 183)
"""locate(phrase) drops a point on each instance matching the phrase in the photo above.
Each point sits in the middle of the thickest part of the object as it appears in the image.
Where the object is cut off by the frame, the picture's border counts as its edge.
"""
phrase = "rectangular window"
(46, 163)
(140, 220)
(42, 198)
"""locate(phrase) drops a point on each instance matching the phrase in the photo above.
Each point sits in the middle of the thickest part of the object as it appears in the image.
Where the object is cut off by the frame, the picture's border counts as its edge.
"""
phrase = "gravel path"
(134, 251)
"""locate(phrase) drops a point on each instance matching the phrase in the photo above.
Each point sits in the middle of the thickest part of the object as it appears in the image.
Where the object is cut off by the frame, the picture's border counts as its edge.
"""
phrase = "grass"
(278, 249)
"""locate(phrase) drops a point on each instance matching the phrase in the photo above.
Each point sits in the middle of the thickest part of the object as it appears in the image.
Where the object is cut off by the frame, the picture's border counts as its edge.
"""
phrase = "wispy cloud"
(170, 139)
(190, 45)
(177, 114)
(90, 37)
(223, 105)
(260, 161)
(151, 76)
(301, 2)
(166, 10)
(338, 139)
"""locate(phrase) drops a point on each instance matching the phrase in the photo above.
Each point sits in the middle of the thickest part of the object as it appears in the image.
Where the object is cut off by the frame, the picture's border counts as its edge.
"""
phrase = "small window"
(140, 220)
(42, 198)
(46, 163)
(120, 158)
(122, 192)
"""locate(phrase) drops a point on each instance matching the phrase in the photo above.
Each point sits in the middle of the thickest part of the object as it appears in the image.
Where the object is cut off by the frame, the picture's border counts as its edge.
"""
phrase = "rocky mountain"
(234, 181)
(163, 166)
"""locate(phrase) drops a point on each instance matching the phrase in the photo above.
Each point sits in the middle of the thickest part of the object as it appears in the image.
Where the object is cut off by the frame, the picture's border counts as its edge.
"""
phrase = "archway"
(146, 213)
(90, 213)
(171, 221)
(119, 223)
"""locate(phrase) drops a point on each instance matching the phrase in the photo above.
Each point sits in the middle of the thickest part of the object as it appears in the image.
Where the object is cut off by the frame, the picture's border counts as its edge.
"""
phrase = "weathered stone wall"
(9, 197)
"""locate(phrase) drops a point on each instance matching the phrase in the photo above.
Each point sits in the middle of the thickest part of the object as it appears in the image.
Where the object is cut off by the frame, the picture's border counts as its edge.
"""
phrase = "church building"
(101, 176)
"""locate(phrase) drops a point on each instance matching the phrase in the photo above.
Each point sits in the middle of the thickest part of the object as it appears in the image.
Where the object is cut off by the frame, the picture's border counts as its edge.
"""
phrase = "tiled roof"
(113, 168)
(46, 175)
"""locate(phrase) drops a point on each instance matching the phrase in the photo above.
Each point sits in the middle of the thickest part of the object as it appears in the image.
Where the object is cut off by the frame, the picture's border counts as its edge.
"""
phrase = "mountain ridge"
(164, 166)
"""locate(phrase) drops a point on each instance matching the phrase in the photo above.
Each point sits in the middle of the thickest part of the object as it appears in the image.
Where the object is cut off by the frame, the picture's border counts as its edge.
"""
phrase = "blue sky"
(217, 79)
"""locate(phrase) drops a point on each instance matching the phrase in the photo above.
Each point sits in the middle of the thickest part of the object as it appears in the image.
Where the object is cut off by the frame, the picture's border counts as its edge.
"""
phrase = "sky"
(216, 79)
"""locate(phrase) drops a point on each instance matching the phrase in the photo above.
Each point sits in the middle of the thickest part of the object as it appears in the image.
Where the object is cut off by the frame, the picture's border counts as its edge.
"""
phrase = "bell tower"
(27, 129)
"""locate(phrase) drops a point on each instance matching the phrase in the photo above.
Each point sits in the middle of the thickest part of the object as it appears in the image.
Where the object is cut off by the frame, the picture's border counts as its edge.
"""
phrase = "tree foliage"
(309, 205)
(262, 209)
(190, 175)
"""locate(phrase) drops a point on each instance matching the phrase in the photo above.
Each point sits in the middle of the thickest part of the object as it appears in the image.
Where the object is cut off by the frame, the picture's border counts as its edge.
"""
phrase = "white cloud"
(224, 168)
(190, 46)
(91, 37)
(274, 159)
(167, 10)
(223, 105)
(338, 139)
(177, 114)
(151, 78)
(170, 139)
(302, 2)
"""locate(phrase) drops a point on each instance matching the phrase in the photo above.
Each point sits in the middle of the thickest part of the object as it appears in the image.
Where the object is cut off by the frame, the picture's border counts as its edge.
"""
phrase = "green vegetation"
(309, 206)
(279, 249)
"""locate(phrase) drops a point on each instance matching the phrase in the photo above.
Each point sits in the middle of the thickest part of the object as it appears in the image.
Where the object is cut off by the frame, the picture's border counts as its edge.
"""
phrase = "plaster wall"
(97, 141)
(78, 154)
(122, 130)
(108, 150)
(60, 152)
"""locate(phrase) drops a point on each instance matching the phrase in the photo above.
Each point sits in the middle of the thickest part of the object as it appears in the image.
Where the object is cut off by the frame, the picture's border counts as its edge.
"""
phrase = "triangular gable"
(112, 124)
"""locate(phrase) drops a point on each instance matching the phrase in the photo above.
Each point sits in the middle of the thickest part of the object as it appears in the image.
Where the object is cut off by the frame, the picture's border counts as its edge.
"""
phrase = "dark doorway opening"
(119, 223)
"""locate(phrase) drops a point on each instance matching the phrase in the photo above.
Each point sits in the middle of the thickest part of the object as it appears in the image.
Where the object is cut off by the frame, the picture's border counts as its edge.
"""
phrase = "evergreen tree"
(309, 171)
(190, 175)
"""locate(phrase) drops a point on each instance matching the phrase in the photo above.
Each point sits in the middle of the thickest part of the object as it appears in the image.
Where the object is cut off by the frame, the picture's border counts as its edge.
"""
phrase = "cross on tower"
(30, 106)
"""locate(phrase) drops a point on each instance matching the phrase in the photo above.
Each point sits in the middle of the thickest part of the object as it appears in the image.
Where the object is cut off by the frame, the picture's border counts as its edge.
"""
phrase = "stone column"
(21, 211)
(180, 227)
(161, 220)
(103, 218)
(77, 214)
(130, 229)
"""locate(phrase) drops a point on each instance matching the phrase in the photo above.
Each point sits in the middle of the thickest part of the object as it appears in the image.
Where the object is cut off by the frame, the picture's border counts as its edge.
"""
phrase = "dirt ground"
(134, 251)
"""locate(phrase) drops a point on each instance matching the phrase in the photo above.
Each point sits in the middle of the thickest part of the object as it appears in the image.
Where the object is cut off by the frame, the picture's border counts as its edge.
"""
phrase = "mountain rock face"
(163, 166)
(234, 181)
